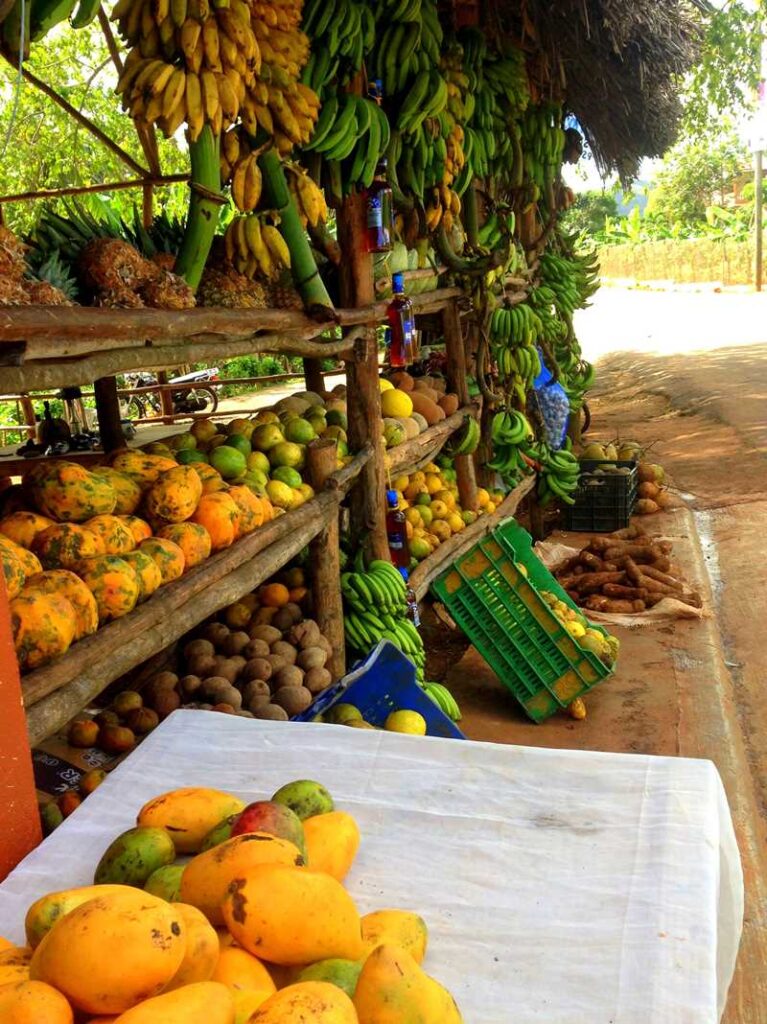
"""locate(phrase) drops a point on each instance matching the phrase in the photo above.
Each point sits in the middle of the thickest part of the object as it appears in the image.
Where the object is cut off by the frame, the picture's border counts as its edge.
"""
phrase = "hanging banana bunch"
(255, 247)
(308, 196)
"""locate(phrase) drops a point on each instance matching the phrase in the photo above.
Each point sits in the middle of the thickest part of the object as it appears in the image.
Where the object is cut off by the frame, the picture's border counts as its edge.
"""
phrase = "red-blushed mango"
(291, 916)
(332, 841)
(189, 814)
(205, 1002)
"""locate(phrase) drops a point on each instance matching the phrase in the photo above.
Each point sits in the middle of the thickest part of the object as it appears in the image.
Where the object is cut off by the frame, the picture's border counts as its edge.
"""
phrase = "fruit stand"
(294, 117)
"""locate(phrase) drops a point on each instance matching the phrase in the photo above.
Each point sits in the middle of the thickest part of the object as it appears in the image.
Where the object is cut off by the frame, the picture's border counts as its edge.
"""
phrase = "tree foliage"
(590, 211)
(42, 147)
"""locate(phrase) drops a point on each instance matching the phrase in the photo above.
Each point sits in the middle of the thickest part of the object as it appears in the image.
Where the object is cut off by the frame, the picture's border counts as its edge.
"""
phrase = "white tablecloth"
(559, 886)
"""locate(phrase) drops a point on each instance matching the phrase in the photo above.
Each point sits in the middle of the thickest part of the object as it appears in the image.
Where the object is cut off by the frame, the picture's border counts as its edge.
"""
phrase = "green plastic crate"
(512, 627)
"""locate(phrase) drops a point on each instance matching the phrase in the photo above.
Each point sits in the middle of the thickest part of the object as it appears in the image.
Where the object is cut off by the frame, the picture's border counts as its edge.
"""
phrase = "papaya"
(14, 967)
(127, 491)
(250, 506)
(220, 516)
(13, 571)
(392, 989)
(142, 468)
(45, 912)
(310, 1002)
(201, 954)
(70, 586)
(132, 857)
(23, 527)
(140, 529)
(116, 535)
(34, 1002)
(332, 841)
(238, 969)
(168, 557)
(427, 408)
(207, 876)
(68, 493)
(113, 583)
(193, 539)
(147, 573)
(173, 497)
(291, 916)
(61, 545)
(43, 627)
(112, 952)
(204, 1002)
(189, 814)
(29, 562)
(395, 928)
(211, 479)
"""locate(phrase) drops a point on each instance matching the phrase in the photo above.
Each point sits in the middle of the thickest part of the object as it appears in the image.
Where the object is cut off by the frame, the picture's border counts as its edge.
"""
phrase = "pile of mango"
(433, 512)
(213, 912)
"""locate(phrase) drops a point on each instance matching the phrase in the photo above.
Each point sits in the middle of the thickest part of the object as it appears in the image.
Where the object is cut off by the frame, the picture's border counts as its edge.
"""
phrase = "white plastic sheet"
(562, 887)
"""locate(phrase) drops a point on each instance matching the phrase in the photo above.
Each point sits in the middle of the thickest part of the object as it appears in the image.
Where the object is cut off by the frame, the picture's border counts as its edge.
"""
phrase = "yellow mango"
(201, 954)
(189, 814)
(392, 989)
(205, 1002)
(395, 928)
(207, 876)
(14, 966)
(6, 944)
(310, 1002)
(238, 969)
(247, 1001)
(112, 952)
(46, 911)
(290, 916)
(34, 1002)
(332, 841)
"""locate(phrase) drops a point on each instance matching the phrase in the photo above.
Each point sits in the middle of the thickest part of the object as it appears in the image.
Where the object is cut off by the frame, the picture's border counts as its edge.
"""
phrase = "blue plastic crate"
(383, 683)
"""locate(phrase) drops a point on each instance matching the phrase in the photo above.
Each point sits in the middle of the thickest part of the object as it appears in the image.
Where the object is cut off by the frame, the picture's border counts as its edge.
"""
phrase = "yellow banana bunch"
(246, 183)
(256, 248)
(309, 197)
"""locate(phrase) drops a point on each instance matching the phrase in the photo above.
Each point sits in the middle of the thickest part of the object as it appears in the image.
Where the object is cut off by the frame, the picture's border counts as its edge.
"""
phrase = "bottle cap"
(392, 499)
(404, 573)
(398, 282)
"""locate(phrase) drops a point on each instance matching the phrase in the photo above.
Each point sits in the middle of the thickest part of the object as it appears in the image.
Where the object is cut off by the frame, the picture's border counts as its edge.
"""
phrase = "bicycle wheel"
(586, 418)
(210, 397)
(135, 408)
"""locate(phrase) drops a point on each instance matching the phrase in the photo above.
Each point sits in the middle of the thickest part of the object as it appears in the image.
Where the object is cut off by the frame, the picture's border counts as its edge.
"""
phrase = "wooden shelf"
(54, 693)
(422, 449)
(436, 563)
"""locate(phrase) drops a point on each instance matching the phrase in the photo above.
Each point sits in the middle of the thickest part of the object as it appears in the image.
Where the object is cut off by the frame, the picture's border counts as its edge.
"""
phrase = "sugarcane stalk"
(306, 276)
(204, 207)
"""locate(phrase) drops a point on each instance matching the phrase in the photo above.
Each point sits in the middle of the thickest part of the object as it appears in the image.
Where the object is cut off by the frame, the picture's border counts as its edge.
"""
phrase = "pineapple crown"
(56, 272)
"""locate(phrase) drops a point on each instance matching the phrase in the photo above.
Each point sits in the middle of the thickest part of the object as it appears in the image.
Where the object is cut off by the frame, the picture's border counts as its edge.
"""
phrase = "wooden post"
(108, 410)
(368, 498)
(147, 210)
(456, 376)
(325, 561)
(313, 376)
(527, 232)
(166, 398)
(29, 416)
(19, 818)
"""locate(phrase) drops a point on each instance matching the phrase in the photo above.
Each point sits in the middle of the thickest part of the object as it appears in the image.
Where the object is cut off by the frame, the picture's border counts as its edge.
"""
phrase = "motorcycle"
(185, 399)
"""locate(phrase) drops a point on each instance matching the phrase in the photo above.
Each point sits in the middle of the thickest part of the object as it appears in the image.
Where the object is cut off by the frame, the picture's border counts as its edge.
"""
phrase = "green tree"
(42, 147)
(590, 212)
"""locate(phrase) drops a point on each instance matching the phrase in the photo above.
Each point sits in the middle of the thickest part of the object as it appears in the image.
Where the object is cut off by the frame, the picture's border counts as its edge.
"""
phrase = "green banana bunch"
(354, 131)
(560, 471)
(464, 441)
(444, 700)
(342, 34)
(510, 433)
(543, 143)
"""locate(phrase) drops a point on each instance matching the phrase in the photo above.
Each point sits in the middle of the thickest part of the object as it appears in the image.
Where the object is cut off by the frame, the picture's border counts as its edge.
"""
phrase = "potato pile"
(262, 658)
(625, 572)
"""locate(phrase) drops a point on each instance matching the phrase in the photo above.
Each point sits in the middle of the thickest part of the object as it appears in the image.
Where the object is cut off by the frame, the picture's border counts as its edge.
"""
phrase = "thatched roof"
(618, 64)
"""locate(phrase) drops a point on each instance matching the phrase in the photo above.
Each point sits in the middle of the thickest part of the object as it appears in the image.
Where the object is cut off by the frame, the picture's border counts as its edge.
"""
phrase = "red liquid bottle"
(396, 532)
(401, 324)
(379, 212)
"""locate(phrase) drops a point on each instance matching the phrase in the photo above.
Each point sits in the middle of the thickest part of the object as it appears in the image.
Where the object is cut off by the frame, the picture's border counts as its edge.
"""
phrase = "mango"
(207, 876)
(134, 856)
(219, 833)
(14, 966)
(395, 928)
(205, 1002)
(305, 798)
(332, 841)
(201, 953)
(189, 814)
(310, 1002)
(46, 911)
(277, 819)
(291, 916)
(246, 1002)
(392, 989)
(238, 969)
(342, 973)
(165, 882)
(34, 1002)
(112, 952)
(6, 944)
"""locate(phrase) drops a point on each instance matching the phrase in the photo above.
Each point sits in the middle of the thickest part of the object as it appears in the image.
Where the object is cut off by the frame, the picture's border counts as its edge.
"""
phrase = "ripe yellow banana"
(230, 146)
(276, 245)
(175, 118)
(253, 182)
(174, 91)
(240, 236)
(189, 36)
(230, 104)
(210, 99)
(256, 245)
(178, 12)
(211, 45)
(158, 81)
(194, 108)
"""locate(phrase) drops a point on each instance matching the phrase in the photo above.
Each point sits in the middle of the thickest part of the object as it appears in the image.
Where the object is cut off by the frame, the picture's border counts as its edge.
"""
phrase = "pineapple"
(109, 264)
(168, 292)
(12, 293)
(53, 285)
(225, 287)
(283, 293)
(119, 298)
(12, 259)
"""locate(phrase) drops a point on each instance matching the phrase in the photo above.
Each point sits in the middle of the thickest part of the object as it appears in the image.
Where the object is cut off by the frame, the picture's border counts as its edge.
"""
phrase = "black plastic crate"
(604, 501)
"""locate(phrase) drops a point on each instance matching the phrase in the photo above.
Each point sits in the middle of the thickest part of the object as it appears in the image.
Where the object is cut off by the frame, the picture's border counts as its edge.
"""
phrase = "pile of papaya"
(211, 911)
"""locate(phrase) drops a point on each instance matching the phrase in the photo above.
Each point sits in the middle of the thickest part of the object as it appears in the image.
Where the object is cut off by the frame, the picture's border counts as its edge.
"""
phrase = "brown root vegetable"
(326, 645)
(201, 647)
(648, 490)
(305, 634)
(267, 633)
(166, 703)
(256, 649)
(225, 667)
(285, 650)
(277, 662)
(594, 581)
(646, 507)
(311, 657)
(270, 712)
(639, 552)
(283, 620)
(599, 603)
(317, 679)
(235, 643)
(253, 689)
(289, 675)
(591, 562)
(216, 632)
(202, 665)
(631, 593)
(631, 532)
(294, 699)
(662, 577)
(261, 617)
(257, 668)
(189, 685)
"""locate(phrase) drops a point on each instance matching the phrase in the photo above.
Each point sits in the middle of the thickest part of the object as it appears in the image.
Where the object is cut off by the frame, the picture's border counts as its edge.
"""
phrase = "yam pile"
(624, 573)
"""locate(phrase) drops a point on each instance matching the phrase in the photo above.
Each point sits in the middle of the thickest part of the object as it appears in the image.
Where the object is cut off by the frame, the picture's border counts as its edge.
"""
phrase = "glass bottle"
(401, 323)
(396, 531)
(379, 211)
(410, 597)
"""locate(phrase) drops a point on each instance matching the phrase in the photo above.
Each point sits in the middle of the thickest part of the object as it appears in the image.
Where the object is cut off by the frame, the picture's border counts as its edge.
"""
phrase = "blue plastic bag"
(554, 406)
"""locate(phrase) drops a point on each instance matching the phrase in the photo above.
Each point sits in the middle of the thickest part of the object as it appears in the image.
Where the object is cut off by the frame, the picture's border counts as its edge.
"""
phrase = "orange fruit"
(274, 595)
